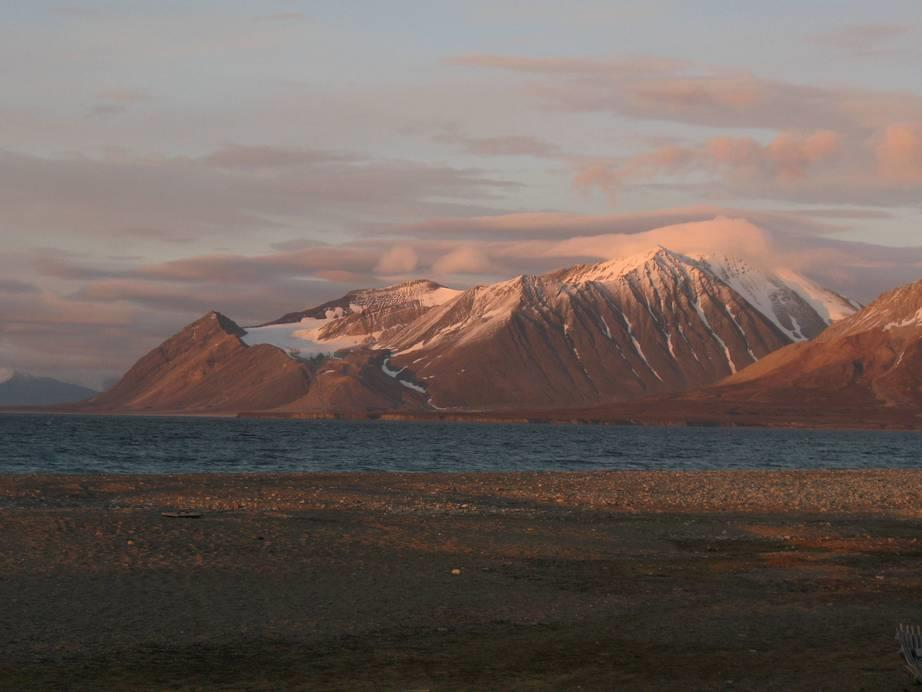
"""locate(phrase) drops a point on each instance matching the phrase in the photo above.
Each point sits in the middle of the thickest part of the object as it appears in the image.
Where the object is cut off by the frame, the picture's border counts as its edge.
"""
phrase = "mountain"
(206, 367)
(22, 389)
(641, 326)
(649, 324)
(872, 358)
(360, 317)
(863, 371)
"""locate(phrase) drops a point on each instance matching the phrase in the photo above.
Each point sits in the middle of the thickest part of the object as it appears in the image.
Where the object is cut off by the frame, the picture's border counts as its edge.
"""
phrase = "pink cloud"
(788, 158)
(705, 94)
(721, 234)
(400, 259)
(464, 260)
(899, 153)
(559, 225)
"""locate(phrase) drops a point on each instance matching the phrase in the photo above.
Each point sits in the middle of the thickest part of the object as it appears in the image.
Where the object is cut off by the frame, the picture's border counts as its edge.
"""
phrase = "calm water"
(78, 444)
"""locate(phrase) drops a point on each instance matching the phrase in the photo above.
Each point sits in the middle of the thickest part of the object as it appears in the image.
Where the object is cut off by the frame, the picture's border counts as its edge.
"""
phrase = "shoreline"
(878, 491)
(905, 422)
(448, 581)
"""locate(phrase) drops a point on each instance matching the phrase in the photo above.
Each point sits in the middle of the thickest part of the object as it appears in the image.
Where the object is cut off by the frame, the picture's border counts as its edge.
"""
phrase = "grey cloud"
(679, 92)
(263, 157)
(17, 286)
(863, 40)
(231, 191)
(508, 145)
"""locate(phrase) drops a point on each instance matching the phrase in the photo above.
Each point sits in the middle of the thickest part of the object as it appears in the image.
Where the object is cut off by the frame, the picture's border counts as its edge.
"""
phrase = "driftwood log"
(910, 639)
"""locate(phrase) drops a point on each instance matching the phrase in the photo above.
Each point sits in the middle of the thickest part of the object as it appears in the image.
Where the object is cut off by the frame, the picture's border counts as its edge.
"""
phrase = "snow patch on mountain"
(913, 321)
(795, 304)
(357, 319)
(304, 338)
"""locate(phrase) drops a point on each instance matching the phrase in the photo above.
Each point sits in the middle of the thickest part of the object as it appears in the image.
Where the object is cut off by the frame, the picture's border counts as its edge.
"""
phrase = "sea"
(65, 444)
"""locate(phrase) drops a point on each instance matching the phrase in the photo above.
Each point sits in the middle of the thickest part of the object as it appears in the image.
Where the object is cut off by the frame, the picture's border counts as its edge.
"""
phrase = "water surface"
(133, 444)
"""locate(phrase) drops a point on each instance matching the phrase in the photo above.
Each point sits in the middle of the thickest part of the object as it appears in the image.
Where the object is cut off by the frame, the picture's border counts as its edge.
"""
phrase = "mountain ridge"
(651, 324)
(24, 389)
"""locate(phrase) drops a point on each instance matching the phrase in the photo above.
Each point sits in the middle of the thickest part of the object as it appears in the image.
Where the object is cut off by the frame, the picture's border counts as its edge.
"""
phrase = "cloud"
(233, 190)
(787, 157)
(464, 260)
(858, 270)
(667, 90)
(899, 153)
(301, 263)
(508, 145)
(117, 101)
(247, 302)
(821, 167)
(720, 234)
(16, 286)
(863, 40)
(401, 259)
(263, 157)
(559, 225)
(567, 66)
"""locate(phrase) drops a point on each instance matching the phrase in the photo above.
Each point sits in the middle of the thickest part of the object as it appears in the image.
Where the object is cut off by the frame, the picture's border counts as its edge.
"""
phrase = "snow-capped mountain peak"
(799, 307)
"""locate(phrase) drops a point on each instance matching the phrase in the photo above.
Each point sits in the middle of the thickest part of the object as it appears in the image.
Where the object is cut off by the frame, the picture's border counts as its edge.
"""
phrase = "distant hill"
(22, 389)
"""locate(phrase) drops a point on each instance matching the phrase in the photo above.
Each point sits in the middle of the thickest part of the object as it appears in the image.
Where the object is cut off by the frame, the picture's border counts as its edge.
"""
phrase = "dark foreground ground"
(618, 581)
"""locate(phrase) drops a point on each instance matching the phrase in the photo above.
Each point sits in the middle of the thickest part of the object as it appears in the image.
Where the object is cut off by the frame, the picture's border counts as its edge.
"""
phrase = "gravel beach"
(617, 580)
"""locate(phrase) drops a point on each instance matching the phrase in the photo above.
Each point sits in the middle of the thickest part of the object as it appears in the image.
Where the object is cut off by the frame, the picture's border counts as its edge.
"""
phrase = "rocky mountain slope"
(874, 356)
(864, 371)
(649, 324)
(23, 389)
(206, 367)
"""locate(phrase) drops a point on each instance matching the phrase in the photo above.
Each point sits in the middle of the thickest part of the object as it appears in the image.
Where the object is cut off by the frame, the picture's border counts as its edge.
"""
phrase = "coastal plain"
(629, 580)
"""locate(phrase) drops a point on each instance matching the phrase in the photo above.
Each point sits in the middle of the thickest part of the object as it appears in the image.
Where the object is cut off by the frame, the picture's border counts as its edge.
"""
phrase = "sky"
(160, 158)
